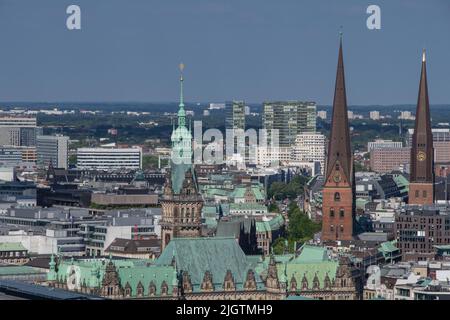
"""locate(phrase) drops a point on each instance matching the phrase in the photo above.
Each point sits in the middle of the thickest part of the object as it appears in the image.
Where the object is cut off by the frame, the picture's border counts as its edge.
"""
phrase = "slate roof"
(132, 246)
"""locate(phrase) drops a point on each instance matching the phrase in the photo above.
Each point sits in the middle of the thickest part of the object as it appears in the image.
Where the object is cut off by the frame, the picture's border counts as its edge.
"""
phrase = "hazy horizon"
(129, 51)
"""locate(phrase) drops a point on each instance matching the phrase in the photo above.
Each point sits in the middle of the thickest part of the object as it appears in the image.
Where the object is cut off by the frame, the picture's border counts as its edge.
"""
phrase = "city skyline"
(131, 53)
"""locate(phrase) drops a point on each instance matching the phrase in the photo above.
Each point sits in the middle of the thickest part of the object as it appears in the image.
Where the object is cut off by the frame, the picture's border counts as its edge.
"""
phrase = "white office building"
(374, 115)
(383, 144)
(109, 159)
(310, 147)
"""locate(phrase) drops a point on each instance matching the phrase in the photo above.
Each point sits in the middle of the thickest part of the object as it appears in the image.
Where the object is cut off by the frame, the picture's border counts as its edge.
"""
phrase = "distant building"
(17, 155)
(109, 159)
(290, 118)
(419, 229)
(216, 106)
(54, 150)
(386, 160)
(406, 115)
(322, 114)
(235, 120)
(374, 115)
(441, 143)
(310, 147)
(383, 144)
(13, 253)
(18, 131)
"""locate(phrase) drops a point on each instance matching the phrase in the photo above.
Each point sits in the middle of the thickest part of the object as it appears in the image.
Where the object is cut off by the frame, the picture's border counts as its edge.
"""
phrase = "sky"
(252, 50)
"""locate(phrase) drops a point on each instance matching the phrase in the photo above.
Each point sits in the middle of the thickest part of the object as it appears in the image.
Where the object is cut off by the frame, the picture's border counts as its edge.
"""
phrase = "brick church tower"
(421, 186)
(338, 208)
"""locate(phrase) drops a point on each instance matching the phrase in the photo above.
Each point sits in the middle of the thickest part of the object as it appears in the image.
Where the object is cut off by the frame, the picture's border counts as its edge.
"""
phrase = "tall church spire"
(338, 206)
(181, 111)
(421, 190)
(339, 151)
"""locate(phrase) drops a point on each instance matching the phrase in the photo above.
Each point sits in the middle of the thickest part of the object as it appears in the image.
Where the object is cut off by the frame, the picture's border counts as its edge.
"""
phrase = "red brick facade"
(421, 193)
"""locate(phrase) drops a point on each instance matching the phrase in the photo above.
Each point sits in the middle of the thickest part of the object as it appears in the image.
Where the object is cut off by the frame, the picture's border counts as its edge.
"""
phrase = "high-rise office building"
(235, 115)
(18, 131)
(310, 147)
(338, 209)
(234, 123)
(290, 118)
(54, 150)
(421, 182)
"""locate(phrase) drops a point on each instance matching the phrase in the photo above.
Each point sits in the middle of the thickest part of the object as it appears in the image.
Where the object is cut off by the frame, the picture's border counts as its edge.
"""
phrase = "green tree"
(300, 230)
(149, 162)
(291, 190)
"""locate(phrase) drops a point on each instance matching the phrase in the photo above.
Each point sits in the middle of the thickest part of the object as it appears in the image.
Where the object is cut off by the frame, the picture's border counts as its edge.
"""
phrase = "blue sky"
(256, 50)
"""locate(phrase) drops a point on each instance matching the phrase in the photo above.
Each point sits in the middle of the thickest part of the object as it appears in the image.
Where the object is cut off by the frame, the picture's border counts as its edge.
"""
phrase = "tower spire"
(421, 190)
(181, 111)
(338, 205)
(339, 149)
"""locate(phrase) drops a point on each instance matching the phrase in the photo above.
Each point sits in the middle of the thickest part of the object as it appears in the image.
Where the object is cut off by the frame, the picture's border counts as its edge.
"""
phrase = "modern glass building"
(290, 118)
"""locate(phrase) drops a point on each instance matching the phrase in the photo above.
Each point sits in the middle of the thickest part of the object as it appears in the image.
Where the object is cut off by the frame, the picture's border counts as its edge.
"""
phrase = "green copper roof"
(295, 297)
(178, 173)
(131, 271)
(262, 226)
(11, 246)
(272, 225)
(276, 222)
(388, 247)
(258, 192)
(401, 182)
(312, 254)
(209, 211)
(216, 255)
(155, 275)
(361, 203)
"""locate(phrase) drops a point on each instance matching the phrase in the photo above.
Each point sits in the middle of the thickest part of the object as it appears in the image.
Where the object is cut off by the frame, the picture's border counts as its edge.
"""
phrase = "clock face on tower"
(337, 177)
(421, 156)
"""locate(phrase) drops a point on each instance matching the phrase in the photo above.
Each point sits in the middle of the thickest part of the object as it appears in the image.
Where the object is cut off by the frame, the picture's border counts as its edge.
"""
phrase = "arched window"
(337, 196)
(341, 212)
(332, 212)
